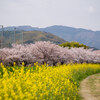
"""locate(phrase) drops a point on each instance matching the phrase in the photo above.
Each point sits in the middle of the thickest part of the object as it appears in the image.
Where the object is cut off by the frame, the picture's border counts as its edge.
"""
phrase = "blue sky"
(43, 13)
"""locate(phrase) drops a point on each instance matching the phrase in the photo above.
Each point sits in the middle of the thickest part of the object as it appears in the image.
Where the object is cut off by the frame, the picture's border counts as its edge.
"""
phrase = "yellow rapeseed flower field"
(44, 82)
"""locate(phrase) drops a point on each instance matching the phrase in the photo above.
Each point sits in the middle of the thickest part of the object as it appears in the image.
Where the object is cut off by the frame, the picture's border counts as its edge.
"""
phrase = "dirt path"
(90, 88)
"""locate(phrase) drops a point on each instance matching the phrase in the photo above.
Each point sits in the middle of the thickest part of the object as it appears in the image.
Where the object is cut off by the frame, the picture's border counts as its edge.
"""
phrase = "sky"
(43, 13)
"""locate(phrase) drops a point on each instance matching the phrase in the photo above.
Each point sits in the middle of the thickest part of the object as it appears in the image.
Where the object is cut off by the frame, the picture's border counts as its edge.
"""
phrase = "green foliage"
(73, 44)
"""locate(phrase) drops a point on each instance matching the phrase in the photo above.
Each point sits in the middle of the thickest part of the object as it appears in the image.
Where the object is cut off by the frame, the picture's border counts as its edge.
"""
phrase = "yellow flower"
(14, 63)
(23, 63)
(1, 64)
(44, 83)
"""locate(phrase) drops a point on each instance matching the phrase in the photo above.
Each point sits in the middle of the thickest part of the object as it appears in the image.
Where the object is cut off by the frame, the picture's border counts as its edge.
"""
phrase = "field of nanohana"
(43, 82)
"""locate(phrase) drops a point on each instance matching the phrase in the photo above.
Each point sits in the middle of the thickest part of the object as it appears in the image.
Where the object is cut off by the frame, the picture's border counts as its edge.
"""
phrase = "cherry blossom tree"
(46, 52)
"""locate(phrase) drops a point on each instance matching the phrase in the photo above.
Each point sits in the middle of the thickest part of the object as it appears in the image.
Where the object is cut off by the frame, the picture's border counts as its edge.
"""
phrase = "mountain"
(29, 37)
(87, 37)
(32, 36)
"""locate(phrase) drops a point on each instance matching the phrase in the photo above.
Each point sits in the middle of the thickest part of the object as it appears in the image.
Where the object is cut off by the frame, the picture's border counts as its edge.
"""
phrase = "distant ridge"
(20, 28)
(85, 36)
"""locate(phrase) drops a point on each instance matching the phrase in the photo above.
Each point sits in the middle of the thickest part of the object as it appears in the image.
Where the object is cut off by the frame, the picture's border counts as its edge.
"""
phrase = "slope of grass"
(32, 36)
(29, 37)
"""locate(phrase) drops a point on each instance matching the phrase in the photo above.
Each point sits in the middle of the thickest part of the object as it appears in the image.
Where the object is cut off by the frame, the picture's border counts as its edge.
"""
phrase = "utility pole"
(2, 37)
(22, 38)
(15, 35)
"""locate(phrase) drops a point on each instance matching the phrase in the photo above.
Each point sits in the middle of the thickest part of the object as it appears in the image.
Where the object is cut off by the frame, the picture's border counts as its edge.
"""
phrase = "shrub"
(73, 44)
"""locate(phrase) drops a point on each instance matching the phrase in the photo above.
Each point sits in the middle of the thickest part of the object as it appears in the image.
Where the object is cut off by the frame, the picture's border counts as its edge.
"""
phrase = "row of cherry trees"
(46, 52)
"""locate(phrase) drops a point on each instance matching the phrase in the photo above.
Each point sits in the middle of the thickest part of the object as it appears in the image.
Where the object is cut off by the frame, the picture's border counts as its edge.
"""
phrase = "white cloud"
(91, 9)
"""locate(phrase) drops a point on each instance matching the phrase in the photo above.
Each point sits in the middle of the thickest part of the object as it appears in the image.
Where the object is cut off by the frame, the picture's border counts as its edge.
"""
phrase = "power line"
(15, 35)
(1, 36)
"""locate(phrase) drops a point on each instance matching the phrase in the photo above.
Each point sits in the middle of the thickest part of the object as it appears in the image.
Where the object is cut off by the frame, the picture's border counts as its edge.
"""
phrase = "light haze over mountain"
(87, 37)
